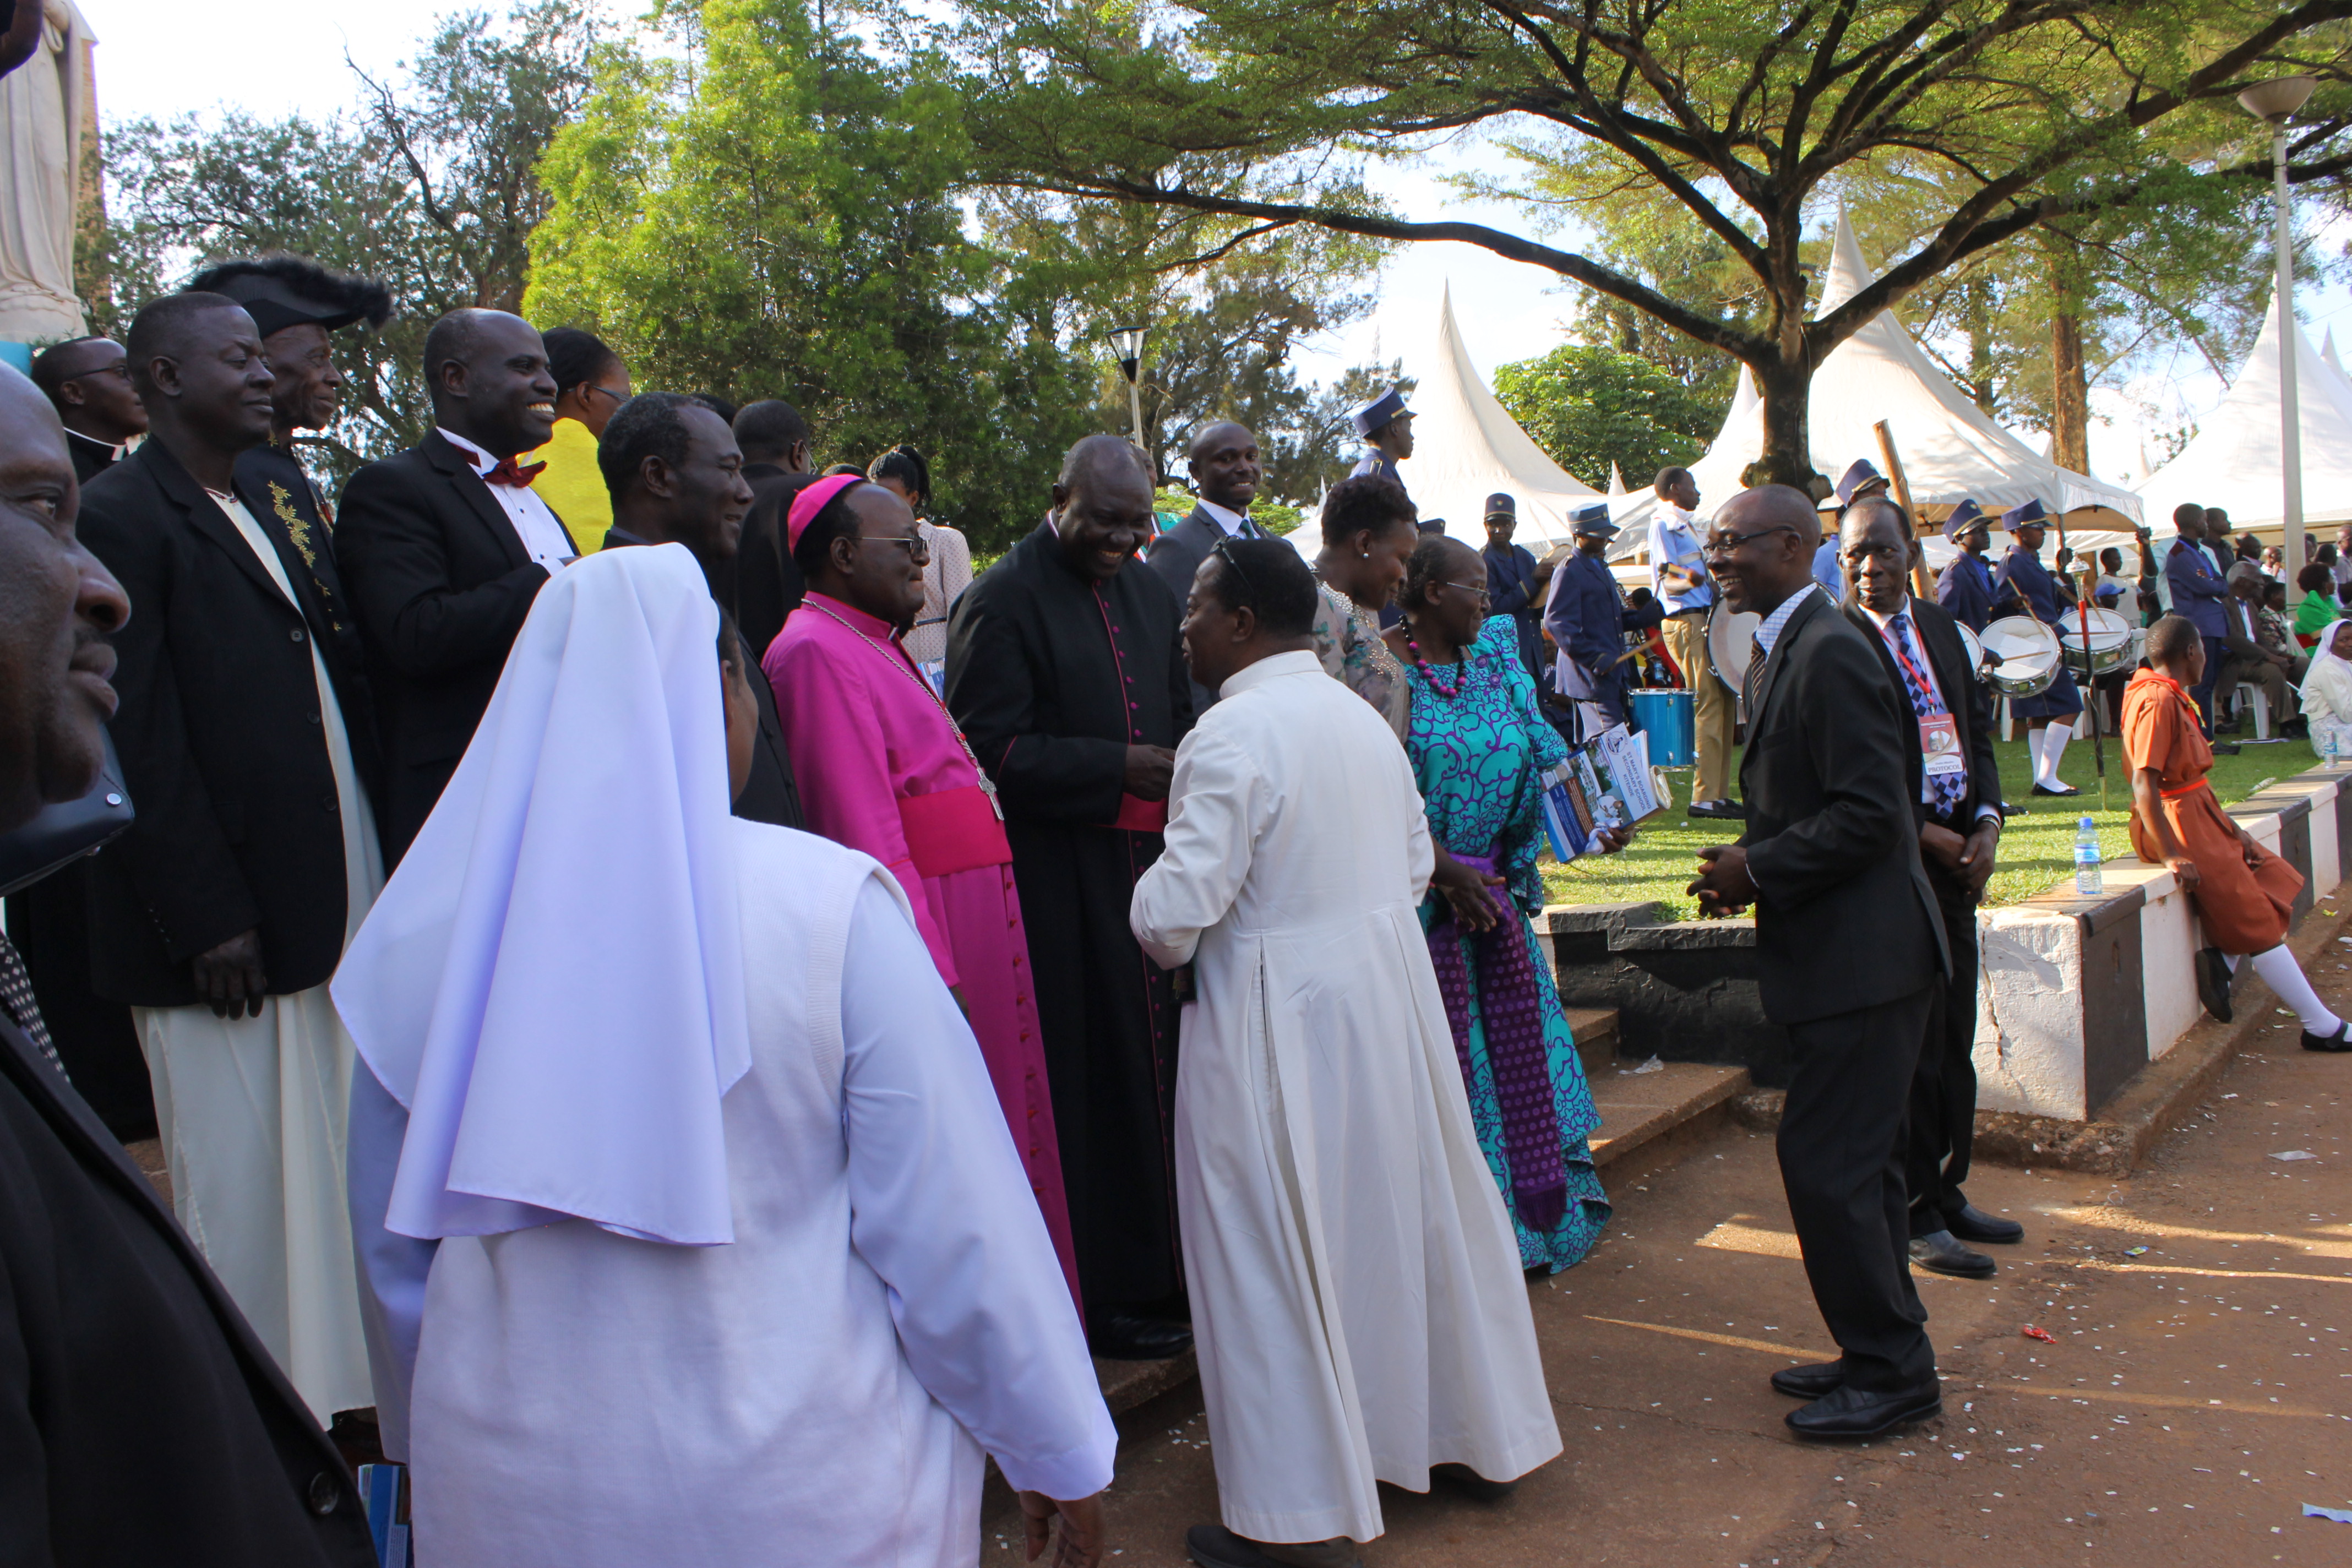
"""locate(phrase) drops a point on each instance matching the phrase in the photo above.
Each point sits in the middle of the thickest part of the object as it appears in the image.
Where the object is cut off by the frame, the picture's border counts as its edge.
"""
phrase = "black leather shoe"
(1972, 1224)
(2213, 982)
(1724, 810)
(2341, 1040)
(1818, 1381)
(2007, 810)
(1941, 1251)
(1470, 1483)
(1131, 1336)
(2064, 790)
(2225, 748)
(1852, 1414)
(1214, 1546)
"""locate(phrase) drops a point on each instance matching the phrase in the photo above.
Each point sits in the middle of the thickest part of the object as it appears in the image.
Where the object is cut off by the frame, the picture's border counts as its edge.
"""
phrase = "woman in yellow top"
(591, 382)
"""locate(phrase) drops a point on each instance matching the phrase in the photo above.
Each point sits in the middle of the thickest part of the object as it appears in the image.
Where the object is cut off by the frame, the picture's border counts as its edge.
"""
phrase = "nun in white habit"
(736, 1263)
(1357, 1298)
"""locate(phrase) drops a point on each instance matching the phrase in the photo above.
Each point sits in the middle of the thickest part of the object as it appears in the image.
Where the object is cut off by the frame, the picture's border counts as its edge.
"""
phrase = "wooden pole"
(1922, 584)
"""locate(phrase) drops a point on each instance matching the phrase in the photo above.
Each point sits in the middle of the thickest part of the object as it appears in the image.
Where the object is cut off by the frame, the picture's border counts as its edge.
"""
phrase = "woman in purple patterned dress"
(1478, 744)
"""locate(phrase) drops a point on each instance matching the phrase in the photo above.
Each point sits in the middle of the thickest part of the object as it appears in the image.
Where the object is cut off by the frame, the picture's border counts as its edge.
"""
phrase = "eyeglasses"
(1223, 551)
(618, 397)
(123, 370)
(1484, 596)
(918, 547)
(1725, 544)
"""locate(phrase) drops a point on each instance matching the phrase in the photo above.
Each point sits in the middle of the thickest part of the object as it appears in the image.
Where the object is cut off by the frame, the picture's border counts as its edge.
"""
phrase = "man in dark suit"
(444, 547)
(766, 586)
(1585, 613)
(677, 476)
(115, 1338)
(1958, 786)
(1516, 585)
(88, 382)
(1848, 947)
(1225, 472)
(220, 916)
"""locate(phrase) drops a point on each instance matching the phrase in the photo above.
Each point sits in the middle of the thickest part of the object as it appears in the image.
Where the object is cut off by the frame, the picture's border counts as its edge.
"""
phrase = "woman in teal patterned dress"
(1478, 744)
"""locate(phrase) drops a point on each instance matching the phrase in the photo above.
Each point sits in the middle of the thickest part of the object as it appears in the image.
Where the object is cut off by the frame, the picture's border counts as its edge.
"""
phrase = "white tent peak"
(2327, 349)
(1616, 479)
(2234, 462)
(1848, 275)
(1466, 446)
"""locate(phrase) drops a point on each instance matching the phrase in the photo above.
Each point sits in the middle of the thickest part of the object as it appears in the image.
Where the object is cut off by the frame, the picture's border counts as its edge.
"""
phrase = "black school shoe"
(1944, 1253)
(1817, 1381)
(2341, 1040)
(1972, 1224)
(2213, 982)
(1853, 1414)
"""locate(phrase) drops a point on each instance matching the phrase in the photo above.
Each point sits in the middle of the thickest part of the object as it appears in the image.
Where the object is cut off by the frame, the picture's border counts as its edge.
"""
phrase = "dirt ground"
(2168, 1423)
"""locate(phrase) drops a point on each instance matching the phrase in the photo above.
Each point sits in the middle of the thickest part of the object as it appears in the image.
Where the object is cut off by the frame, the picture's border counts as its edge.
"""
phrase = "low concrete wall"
(2077, 995)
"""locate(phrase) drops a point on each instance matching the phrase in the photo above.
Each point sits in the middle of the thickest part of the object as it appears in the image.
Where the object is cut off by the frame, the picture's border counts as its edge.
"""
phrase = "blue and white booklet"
(1605, 784)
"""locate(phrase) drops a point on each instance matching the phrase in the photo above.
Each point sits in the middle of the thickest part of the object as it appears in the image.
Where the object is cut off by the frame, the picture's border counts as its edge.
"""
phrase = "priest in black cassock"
(1066, 673)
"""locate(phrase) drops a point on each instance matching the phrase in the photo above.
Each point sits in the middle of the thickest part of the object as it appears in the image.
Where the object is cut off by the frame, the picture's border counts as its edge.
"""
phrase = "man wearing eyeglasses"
(1848, 945)
(88, 381)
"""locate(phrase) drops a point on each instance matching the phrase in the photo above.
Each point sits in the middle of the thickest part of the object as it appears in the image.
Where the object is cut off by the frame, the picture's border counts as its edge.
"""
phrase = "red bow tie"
(508, 473)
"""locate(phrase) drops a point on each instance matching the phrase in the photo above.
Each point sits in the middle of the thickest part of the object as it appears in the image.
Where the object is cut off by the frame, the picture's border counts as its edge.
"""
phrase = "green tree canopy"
(1589, 405)
(428, 186)
(1749, 120)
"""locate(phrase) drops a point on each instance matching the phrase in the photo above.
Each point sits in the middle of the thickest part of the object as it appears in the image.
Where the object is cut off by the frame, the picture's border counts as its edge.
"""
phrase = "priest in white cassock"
(1357, 1298)
(737, 1264)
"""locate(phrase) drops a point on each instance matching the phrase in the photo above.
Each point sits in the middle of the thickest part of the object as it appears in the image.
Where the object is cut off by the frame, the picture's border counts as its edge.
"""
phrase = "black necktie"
(16, 1001)
(1755, 677)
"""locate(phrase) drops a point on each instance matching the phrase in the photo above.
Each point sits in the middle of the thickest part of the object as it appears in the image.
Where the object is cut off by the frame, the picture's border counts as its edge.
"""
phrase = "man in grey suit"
(1225, 471)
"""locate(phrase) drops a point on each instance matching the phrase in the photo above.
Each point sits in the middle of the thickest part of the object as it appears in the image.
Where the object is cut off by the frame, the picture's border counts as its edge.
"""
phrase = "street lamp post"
(2273, 103)
(1127, 343)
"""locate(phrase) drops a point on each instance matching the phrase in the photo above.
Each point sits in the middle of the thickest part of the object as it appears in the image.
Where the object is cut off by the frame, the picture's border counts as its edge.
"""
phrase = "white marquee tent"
(1466, 446)
(2233, 461)
(1951, 448)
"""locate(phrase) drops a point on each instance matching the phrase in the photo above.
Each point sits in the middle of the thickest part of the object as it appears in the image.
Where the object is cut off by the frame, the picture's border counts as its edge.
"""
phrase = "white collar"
(1232, 522)
(1778, 621)
(482, 461)
(1882, 621)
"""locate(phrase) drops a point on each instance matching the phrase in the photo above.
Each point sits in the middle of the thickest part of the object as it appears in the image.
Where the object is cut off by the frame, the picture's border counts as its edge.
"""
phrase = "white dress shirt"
(534, 520)
(1235, 523)
(1916, 650)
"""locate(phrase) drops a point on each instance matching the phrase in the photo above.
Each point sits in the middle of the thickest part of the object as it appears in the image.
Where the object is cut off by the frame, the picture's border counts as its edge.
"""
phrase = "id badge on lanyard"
(1939, 744)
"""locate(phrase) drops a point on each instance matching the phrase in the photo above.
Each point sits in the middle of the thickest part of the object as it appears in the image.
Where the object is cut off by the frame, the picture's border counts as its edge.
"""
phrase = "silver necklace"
(987, 785)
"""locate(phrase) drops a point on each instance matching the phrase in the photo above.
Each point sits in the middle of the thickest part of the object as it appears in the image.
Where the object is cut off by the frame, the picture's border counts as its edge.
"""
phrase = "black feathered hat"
(281, 291)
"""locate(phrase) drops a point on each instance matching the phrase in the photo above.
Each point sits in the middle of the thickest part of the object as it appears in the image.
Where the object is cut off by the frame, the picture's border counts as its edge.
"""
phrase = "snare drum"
(2107, 648)
(2030, 655)
(1974, 648)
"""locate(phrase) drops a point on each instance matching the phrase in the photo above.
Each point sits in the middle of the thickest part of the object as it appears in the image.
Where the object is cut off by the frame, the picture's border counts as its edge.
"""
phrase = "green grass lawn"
(2037, 849)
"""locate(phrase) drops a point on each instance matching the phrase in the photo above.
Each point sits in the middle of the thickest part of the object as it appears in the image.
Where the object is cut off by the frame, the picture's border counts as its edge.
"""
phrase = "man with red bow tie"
(443, 549)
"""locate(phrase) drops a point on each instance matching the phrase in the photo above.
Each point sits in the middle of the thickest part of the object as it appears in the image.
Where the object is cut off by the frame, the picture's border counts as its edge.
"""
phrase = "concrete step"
(1129, 1384)
(1596, 1038)
(1657, 1114)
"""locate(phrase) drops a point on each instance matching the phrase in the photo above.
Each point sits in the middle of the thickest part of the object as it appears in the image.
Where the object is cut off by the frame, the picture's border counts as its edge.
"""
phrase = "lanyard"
(1895, 641)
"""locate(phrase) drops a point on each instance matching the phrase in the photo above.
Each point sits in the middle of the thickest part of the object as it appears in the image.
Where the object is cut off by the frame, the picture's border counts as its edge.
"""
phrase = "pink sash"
(1139, 816)
(952, 830)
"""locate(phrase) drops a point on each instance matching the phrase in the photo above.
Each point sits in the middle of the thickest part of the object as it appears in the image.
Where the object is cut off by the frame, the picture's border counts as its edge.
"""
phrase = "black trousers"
(1840, 1148)
(1943, 1120)
(2215, 650)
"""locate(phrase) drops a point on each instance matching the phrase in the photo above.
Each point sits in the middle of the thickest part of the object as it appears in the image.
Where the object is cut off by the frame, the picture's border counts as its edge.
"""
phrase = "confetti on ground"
(2340, 1515)
(2294, 1154)
(2045, 1335)
(2135, 1252)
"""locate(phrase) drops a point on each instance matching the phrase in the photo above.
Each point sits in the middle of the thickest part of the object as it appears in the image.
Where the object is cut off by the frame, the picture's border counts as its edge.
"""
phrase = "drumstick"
(1921, 582)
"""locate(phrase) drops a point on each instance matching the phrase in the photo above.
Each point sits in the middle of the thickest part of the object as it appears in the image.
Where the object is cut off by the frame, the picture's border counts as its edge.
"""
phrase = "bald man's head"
(1224, 465)
(1761, 547)
(1102, 506)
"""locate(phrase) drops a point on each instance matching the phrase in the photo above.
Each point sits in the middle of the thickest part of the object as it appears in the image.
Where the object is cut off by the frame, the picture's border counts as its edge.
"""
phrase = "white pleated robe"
(817, 1392)
(1357, 1297)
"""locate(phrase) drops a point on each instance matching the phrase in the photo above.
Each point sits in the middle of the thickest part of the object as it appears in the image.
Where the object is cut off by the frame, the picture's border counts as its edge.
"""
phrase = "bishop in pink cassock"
(883, 769)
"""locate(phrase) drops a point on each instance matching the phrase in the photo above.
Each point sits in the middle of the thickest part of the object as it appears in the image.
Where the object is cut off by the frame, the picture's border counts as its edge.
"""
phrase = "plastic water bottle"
(2088, 881)
(2327, 748)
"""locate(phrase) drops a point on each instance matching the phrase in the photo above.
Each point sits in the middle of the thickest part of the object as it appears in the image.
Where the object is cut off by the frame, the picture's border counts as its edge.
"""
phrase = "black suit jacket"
(222, 744)
(140, 1419)
(440, 583)
(1844, 917)
(765, 584)
(1177, 555)
(92, 457)
(1963, 693)
(770, 794)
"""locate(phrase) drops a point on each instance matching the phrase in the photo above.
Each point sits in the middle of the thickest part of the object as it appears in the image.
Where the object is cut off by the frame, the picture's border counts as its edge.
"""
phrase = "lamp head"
(2274, 101)
(1126, 344)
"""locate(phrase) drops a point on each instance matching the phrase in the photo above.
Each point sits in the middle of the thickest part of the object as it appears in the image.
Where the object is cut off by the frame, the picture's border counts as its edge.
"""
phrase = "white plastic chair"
(2261, 704)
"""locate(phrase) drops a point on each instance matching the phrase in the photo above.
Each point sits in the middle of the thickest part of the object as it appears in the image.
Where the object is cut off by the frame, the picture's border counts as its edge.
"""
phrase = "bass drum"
(2029, 655)
(1730, 638)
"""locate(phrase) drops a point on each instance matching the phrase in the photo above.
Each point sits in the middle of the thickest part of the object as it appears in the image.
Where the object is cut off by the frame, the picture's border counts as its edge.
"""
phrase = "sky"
(166, 57)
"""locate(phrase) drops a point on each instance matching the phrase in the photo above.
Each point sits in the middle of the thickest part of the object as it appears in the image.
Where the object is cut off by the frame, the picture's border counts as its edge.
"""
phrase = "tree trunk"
(1788, 454)
(2070, 387)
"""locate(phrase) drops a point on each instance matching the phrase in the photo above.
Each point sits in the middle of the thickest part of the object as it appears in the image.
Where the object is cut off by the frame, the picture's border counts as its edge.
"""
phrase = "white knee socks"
(2052, 746)
(2283, 975)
